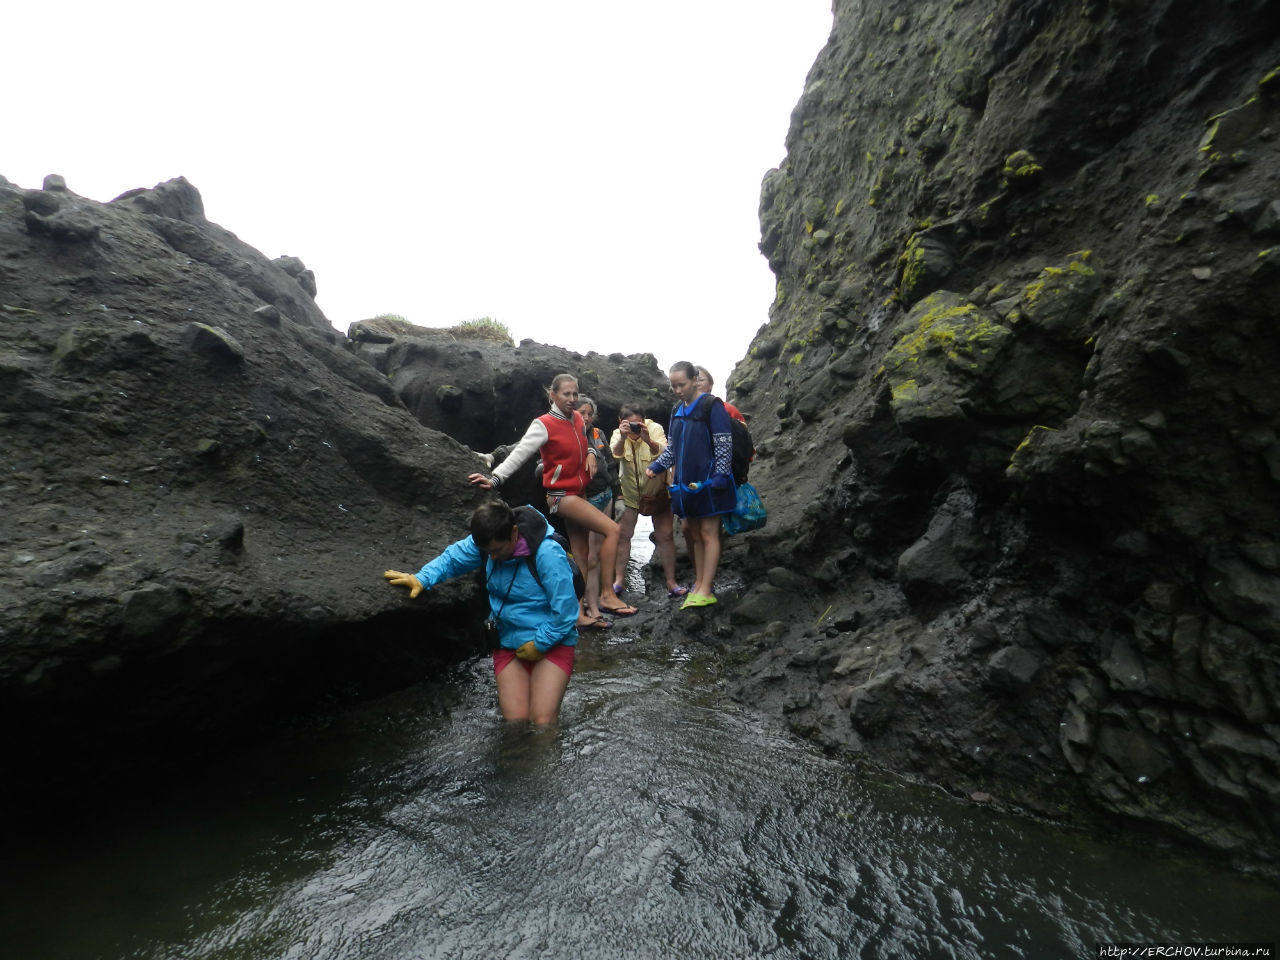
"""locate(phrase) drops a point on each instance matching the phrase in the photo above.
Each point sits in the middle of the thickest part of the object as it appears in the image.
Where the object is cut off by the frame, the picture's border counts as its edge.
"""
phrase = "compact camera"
(635, 427)
(491, 633)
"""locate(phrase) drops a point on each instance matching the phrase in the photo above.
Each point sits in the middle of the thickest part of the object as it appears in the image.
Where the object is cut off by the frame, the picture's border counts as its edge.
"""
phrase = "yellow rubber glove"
(529, 652)
(398, 579)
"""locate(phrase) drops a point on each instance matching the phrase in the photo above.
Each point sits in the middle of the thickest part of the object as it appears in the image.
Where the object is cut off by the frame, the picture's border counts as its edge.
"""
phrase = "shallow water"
(658, 821)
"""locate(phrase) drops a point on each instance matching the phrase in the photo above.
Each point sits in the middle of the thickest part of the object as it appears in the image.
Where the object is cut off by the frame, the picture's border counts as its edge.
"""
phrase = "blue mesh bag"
(749, 514)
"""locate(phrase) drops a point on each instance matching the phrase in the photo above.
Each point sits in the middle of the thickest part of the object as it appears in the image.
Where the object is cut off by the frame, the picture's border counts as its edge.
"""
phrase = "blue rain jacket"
(547, 614)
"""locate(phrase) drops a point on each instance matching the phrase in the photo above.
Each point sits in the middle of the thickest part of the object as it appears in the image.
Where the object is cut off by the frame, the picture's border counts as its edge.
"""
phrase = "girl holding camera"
(636, 443)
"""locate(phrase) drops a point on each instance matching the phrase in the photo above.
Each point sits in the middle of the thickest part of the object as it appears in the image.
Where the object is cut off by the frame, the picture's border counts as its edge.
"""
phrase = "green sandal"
(697, 600)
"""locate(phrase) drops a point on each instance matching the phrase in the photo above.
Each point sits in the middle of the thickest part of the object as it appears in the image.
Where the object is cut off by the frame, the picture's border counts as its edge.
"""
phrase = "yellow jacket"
(636, 455)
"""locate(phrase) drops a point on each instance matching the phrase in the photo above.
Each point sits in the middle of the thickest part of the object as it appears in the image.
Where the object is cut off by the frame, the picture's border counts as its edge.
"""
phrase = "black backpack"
(743, 448)
(533, 527)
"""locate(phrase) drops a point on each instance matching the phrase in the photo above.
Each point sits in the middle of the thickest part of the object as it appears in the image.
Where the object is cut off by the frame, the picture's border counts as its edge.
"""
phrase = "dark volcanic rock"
(201, 487)
(1016, 406)
(203, 482)
(485, 393)
(1015, 414)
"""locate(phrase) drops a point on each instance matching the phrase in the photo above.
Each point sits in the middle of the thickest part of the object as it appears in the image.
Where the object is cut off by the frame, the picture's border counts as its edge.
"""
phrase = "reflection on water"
(642, 549)
(655, 822)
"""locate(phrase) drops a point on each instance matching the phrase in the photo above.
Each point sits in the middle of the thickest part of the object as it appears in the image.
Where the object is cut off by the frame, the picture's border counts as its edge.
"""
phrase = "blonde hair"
(559, 379)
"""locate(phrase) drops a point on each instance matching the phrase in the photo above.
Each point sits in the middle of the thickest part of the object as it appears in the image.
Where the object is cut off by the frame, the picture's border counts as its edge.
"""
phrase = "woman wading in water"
(568, 462)
(532, 605)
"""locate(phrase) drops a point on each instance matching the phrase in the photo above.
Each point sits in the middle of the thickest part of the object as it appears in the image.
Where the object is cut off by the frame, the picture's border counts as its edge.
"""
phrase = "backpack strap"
(702, 411)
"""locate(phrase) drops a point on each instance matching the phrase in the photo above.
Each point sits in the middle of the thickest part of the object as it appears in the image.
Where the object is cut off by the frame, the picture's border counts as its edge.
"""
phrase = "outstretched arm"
(520, 454)
(458, 558)
(662, 462)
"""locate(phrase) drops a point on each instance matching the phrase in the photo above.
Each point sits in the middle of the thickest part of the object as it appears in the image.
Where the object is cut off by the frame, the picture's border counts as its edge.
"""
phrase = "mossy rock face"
(1016, 133)
(945, 332)
(925, 266)
(1237, 127)
(1021, 171)
(1267, 264)
(968, 87)
(765, 349)
(1027, 457)
(815, 212)
(945, 350)
(928, 411)
(1269, 86)
(1058, 301)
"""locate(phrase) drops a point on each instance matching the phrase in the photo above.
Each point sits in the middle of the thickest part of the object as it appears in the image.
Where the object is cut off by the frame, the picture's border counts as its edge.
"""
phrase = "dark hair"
(629, 410)
(491, 521)
(685, 367)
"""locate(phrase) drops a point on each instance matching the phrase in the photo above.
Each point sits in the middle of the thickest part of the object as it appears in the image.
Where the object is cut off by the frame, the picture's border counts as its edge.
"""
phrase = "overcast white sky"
(585, 171)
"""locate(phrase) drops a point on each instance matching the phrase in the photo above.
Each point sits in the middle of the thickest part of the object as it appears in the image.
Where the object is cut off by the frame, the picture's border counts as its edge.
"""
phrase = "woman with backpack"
(705, 382)
(700, 448)
(568, 464)
(533, 605)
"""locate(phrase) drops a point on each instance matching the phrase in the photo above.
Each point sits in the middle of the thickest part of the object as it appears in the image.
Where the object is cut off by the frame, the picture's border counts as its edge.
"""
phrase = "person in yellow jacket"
(636, 443)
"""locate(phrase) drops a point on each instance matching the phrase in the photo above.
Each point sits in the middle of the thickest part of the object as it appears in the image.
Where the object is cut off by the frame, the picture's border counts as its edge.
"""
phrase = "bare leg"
(690, 531)
(579, 543)
(626, 530)
(693, 537)
(605, 575)
(666, 544)
(595, 569)
(513, 691)
(709, 557)
(581, 514)
(547, 685)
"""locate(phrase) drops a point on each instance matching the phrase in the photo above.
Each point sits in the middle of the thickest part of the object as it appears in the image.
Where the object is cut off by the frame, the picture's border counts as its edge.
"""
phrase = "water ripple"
(656, 822)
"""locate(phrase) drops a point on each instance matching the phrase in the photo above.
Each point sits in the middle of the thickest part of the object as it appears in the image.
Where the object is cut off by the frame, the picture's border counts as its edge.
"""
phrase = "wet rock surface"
(1015, 414)
(202, 484)
(1014, 411)
(484, 393)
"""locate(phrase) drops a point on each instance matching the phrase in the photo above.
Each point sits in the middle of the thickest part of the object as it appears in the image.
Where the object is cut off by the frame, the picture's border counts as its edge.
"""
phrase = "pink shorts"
(561, 655)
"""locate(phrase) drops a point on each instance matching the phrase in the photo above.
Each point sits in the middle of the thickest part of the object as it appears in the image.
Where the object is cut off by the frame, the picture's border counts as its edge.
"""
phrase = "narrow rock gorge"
(1014, 409)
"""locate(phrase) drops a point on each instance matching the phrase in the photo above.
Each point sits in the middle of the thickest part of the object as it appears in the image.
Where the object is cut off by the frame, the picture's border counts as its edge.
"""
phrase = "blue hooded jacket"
(524, 610)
